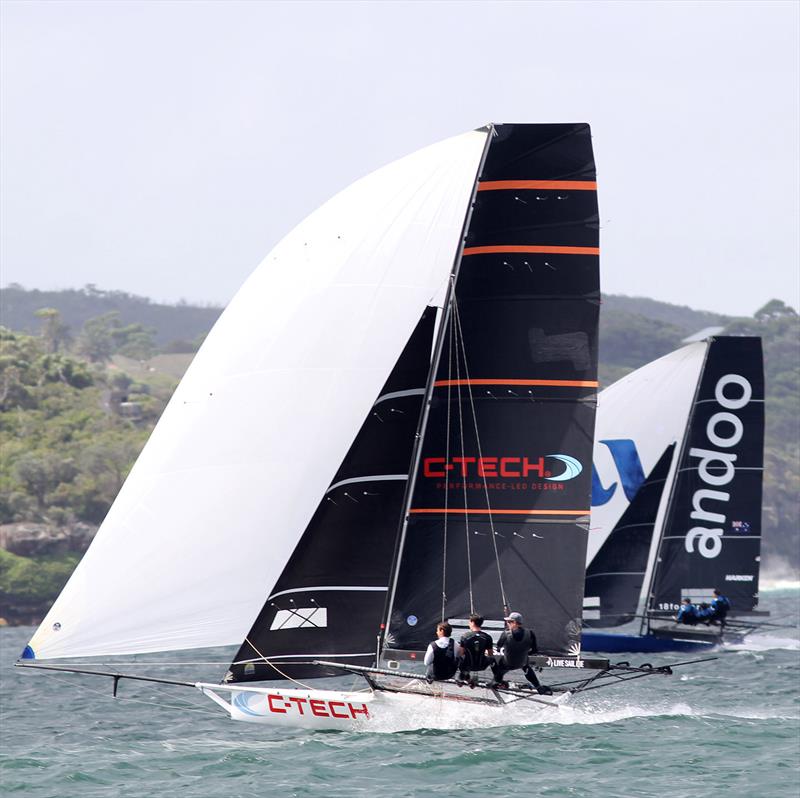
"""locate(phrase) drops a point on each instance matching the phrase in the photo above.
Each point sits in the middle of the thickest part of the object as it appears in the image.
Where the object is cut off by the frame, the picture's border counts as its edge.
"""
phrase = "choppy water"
(725, 728)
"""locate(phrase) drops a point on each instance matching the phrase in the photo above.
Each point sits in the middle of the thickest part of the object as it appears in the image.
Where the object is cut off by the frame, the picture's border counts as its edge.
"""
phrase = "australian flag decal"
(743, 527)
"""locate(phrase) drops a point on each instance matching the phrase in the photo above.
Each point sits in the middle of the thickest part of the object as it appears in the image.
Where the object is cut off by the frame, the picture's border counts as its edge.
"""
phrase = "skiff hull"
(357, 711)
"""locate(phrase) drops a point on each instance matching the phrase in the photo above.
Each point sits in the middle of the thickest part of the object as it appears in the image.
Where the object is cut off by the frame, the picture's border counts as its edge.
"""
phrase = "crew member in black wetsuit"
(441, 657)
(516, 643)
(475, 649)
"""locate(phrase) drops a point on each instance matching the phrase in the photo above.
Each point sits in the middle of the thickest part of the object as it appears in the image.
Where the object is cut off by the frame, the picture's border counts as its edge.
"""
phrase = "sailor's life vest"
(475, 645)
(444, 662)
(688, 614)
(720, 607)
(516, 649)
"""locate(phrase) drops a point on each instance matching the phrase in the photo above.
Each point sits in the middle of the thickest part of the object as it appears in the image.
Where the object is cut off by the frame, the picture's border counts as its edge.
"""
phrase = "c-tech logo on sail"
(724, 430)
(508, 467)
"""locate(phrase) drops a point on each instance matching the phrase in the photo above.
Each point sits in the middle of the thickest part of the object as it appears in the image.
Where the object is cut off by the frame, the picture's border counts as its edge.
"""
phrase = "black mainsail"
(712, 533)
(497, 512)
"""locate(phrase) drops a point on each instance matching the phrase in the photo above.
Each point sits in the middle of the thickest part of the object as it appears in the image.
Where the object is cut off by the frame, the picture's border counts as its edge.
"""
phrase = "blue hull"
(612, 643)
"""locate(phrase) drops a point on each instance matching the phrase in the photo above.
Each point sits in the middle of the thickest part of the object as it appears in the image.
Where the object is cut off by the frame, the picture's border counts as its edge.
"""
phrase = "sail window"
(302, 617)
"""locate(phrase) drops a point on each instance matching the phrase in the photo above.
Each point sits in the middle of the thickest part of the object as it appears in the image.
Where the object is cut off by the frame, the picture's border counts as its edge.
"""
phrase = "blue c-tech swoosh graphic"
(240, 702)
(573, 468)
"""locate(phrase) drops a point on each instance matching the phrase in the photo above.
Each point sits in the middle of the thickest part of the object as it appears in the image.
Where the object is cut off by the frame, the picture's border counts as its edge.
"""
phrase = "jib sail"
(328, 601)
(497, 514)
(616, 575)
(712, 534)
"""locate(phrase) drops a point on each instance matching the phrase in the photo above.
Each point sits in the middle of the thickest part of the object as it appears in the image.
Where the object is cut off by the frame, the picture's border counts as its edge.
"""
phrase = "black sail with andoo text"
(712, 535)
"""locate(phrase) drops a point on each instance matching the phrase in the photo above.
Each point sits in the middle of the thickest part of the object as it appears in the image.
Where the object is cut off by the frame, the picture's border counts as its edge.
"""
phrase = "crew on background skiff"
(717, 611)
(475, 649)
(441, 657)
(516, 644)
(687, 613)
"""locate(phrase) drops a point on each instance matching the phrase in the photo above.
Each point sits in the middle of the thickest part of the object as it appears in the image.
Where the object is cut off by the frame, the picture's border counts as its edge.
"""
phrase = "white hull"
(368, 710)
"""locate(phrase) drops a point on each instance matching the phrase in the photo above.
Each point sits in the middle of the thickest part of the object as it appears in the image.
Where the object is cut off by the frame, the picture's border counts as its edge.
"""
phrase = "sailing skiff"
(676, 501)
(389, 426)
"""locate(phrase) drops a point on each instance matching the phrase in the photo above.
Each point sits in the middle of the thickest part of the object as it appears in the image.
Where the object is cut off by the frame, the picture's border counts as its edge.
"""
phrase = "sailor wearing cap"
(516, 643)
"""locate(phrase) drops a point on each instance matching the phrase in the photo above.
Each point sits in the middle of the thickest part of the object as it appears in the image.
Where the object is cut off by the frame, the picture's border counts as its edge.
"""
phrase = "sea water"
(730, 727)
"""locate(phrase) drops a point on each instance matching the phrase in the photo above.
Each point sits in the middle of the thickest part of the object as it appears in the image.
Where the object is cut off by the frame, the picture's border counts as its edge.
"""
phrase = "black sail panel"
(502, 494)
(712, 536)
(329, 600)
(615, 577)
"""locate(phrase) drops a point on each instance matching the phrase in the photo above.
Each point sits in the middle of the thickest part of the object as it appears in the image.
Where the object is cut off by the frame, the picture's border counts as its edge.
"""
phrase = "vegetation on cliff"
(79, 399)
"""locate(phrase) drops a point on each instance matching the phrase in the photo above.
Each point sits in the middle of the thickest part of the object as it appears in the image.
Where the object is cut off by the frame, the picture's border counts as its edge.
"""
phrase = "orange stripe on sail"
(522, 185)
(531, 248)
(556, 383)
(450, 510)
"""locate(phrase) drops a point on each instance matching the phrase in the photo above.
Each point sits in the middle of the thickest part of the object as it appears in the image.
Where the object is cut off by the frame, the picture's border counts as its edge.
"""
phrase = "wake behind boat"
(389, 428)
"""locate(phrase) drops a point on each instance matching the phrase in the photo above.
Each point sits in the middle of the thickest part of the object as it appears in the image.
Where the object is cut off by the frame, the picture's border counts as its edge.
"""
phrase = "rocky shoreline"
(49, 552)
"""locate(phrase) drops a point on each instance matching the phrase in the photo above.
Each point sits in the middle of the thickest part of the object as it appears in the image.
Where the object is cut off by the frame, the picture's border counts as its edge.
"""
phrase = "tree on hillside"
(54, 332)
(775, 309)
(95, 341)
(43, 472)
(134, 340)
(104, 336)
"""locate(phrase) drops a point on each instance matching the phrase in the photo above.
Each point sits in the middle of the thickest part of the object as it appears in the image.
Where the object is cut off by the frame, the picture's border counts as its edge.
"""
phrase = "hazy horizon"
(164, 148)
(211, 304)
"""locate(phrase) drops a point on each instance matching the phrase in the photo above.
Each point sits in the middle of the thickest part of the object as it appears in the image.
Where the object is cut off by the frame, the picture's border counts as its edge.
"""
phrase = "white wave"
(450, 715)
(771, 585)
(764, 642)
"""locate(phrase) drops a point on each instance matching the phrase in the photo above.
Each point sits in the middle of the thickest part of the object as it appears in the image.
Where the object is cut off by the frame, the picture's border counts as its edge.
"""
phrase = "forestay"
(262, 420)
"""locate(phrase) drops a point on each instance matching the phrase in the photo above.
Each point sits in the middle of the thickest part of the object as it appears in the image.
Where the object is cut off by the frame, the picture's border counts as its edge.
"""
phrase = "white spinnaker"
(649, 406)
(259, 424)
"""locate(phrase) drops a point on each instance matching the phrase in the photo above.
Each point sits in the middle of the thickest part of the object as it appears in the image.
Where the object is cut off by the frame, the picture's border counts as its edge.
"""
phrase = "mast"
(666, 515)
(712, 533)
(504, 459)
(435, 360)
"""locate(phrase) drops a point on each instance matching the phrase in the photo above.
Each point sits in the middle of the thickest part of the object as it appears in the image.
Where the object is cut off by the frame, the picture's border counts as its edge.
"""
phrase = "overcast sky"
(163, 148)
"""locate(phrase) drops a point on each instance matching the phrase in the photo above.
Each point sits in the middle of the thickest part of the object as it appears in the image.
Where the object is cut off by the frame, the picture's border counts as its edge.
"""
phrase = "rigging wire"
(463, 460)
(275, 667)
(447, 460)
(116, 662)
(480, 456)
